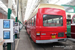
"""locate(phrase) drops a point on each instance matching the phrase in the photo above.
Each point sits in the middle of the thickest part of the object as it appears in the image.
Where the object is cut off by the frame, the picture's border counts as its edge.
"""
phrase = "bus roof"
(45, 6)
(50, 6)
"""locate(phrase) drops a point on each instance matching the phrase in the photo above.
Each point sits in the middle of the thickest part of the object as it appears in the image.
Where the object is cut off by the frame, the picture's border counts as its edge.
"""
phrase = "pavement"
(26, 43)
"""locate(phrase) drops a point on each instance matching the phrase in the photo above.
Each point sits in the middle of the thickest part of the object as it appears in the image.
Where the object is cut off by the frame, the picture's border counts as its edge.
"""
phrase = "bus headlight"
(38, 33)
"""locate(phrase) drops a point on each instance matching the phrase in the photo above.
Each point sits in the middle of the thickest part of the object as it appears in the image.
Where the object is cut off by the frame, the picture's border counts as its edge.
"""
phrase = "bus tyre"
(30, 35)
(68, 36)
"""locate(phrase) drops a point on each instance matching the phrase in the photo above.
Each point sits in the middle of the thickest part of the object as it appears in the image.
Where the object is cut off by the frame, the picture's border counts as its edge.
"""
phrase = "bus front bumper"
(51, 41)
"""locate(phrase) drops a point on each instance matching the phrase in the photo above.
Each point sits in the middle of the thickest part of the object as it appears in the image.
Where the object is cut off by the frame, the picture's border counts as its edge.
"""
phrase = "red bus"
(73, 27)
(47, 24)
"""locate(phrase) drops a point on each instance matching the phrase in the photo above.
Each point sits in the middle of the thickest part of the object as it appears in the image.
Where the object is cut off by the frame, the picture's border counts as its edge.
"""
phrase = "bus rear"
(52, 26)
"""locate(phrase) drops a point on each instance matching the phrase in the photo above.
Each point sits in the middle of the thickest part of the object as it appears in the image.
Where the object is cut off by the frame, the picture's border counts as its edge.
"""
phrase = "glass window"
(68, 22)
(29, 22)
(52, 20)
(32, 21)
(74, 20)
(68, 16)
(69, 9)
(35, 20)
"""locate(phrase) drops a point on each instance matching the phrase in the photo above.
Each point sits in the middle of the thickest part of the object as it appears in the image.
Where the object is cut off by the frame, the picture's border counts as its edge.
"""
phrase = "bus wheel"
(30, 34)
(68, 36)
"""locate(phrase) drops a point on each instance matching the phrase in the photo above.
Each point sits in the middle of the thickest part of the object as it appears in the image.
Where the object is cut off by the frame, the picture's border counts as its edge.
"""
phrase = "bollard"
(1, 44)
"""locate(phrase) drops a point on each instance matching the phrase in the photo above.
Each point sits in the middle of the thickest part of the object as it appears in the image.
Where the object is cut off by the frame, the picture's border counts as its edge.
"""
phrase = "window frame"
(47, 20)
(72, 20)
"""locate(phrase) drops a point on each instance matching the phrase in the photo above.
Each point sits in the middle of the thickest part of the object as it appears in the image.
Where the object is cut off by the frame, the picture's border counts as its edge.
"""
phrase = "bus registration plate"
(53, 36)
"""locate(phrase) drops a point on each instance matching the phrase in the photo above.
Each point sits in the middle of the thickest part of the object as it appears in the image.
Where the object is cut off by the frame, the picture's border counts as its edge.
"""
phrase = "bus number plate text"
(53, 36)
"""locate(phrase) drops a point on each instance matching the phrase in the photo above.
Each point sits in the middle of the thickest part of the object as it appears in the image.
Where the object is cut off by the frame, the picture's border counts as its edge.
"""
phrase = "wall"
(3, 16)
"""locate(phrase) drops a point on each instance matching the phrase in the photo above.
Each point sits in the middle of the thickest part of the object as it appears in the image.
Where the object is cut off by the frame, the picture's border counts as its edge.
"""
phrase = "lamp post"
(16, 19)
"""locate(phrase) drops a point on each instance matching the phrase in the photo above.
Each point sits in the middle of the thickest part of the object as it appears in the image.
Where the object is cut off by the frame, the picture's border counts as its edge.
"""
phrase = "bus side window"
(35, 20)
(32, 21)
